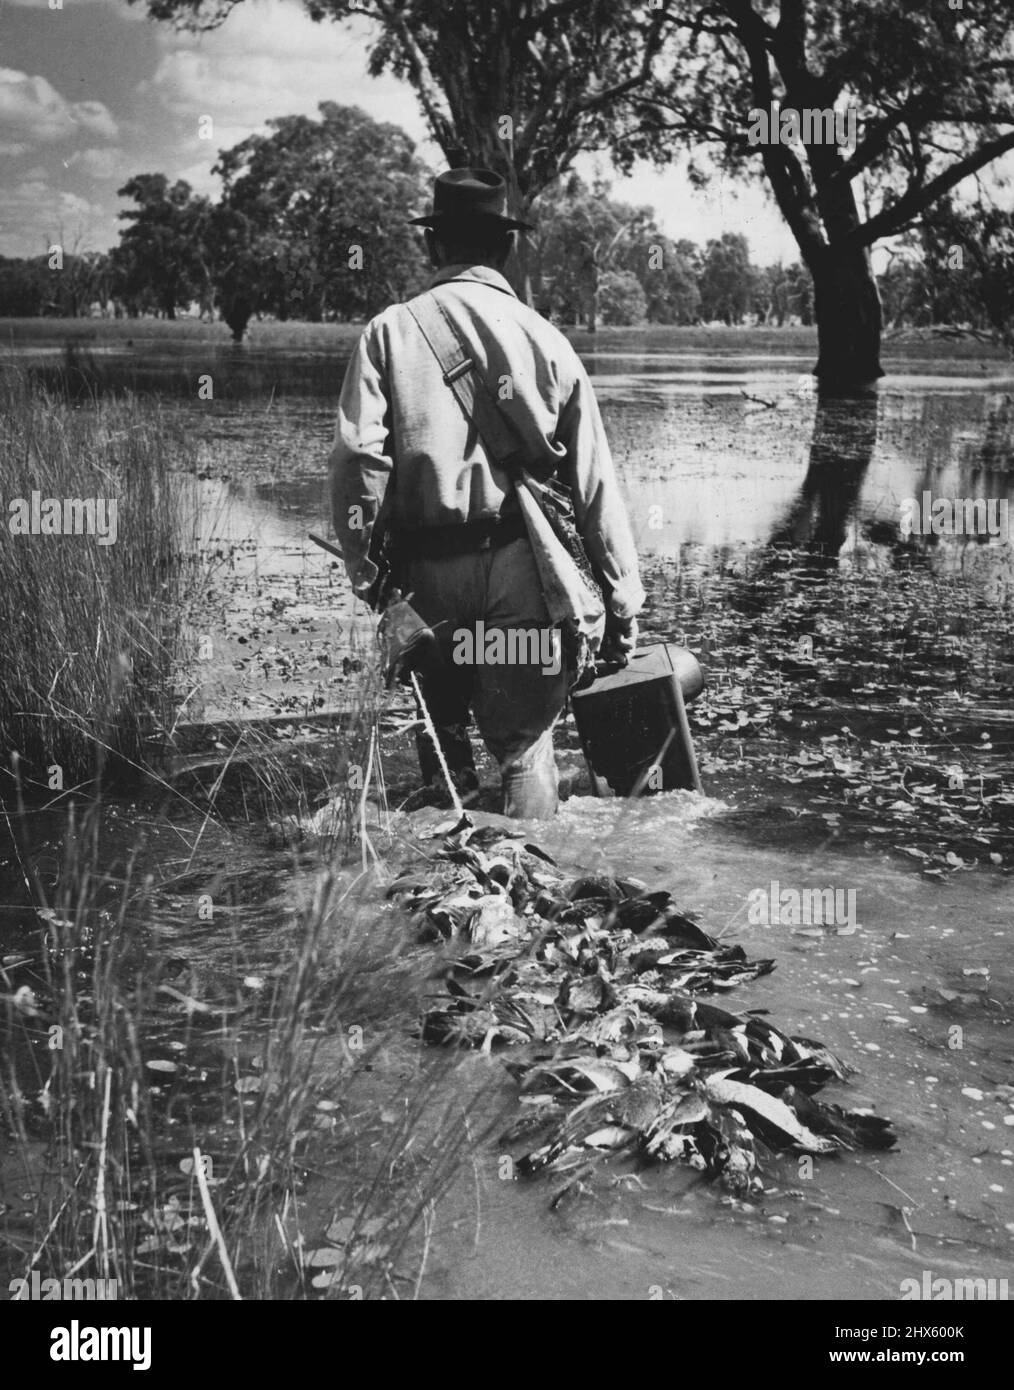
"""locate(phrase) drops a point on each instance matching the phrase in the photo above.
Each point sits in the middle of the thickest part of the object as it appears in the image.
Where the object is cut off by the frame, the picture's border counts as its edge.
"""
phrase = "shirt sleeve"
(361, 460)
(599, 508)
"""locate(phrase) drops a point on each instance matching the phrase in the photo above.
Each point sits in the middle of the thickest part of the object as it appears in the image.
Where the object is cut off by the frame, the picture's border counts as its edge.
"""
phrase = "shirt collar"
(476, 274)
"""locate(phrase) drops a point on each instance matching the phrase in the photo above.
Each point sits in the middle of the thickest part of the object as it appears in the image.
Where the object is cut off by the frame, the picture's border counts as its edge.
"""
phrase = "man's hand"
(404, 638)
(620, 640)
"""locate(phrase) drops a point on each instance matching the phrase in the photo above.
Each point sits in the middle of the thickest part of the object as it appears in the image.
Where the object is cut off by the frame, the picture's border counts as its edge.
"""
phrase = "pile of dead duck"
(600, 985)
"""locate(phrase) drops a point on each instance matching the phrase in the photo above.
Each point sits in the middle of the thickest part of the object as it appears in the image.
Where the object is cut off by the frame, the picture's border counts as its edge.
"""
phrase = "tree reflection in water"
(844, 437)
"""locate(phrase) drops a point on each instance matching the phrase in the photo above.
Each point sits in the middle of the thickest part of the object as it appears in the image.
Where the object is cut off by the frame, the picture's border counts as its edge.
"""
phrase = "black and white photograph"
(506, 671)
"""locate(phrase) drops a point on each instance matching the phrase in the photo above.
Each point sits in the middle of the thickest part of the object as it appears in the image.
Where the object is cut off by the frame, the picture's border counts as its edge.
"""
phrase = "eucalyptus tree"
(519, 86)
(525, 86)
(925, 85)
(313, 219)
(159, 260)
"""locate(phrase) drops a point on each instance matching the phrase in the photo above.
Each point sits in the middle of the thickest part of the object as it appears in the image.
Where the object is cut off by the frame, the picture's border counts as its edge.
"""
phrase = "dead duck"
(614, 981)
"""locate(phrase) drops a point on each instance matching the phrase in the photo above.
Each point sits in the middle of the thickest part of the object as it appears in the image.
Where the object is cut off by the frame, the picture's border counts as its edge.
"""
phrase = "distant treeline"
(644, 278)
(312, 225)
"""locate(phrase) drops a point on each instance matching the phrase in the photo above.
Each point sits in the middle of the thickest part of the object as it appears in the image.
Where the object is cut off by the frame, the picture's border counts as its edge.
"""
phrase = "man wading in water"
(460, 535)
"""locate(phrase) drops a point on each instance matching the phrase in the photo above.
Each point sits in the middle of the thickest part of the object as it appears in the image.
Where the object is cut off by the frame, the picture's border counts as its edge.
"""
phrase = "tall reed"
(168, 1151)
(92, 632)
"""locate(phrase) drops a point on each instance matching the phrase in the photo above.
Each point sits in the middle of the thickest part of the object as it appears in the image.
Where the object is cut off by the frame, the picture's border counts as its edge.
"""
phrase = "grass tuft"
(93, 633)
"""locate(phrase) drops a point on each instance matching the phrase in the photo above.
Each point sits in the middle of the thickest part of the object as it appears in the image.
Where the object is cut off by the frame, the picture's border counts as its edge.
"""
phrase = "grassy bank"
(151, 335)
(195, 1030)
(170, 1090)
(93, 619)
(163, 1133)
(138, 336)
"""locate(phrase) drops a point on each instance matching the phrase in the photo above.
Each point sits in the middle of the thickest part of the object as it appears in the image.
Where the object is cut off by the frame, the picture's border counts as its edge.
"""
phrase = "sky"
(95, 92)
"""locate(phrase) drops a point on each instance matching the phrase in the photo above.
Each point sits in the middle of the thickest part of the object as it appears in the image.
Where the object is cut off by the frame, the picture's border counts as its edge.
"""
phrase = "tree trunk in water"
(849, 321)
(237, 311)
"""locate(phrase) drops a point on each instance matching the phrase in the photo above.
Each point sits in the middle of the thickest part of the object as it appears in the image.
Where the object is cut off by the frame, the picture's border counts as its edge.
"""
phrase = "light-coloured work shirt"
(399, 425)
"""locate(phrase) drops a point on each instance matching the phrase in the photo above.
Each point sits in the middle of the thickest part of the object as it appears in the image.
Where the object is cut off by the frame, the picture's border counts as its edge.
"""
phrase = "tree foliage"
(931, 86)
(160, 260)
(955, 269)
(622, 299)
(313, 217)
(312, 224)
(584, 236)
(727, 281)
(32, 287)
(555, 69)
(524, 86)
(669, 272)
(520, 86)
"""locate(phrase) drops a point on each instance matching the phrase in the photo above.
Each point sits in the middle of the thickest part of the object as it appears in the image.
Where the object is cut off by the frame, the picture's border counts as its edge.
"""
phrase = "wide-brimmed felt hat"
(470, 196)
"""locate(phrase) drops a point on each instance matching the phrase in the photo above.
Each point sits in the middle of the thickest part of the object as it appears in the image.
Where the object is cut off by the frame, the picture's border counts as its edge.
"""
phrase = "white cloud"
(200, 178)
(99, 164)
(34, 112)
(269, 59)
(33, 215)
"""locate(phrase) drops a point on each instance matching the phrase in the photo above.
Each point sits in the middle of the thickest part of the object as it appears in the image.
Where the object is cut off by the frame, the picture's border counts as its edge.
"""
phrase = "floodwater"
(885, 1000)
(857, 734)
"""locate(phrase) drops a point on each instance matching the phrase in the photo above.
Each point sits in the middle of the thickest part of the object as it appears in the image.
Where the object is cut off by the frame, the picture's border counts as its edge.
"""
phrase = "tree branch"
(652, 44)
(780, 164)
(541, 21)
(876, 141)
(916, 200)
(421, 77)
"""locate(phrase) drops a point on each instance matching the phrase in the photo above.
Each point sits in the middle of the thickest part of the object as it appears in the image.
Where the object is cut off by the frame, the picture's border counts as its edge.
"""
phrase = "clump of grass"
(281, 1074)
(93, 632)
(262, 1080)
(74, 1093)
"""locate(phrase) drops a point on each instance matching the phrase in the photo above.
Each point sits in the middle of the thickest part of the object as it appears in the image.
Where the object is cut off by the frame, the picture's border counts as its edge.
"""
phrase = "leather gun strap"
(472, 392)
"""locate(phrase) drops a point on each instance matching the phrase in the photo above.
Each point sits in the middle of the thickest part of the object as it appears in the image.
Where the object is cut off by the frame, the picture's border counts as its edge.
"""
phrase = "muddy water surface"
(769, 531)
(762, 523)
(925, 960)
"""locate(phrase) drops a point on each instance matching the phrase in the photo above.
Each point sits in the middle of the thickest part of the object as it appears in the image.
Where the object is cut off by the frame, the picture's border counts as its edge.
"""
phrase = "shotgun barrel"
(325, 545)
